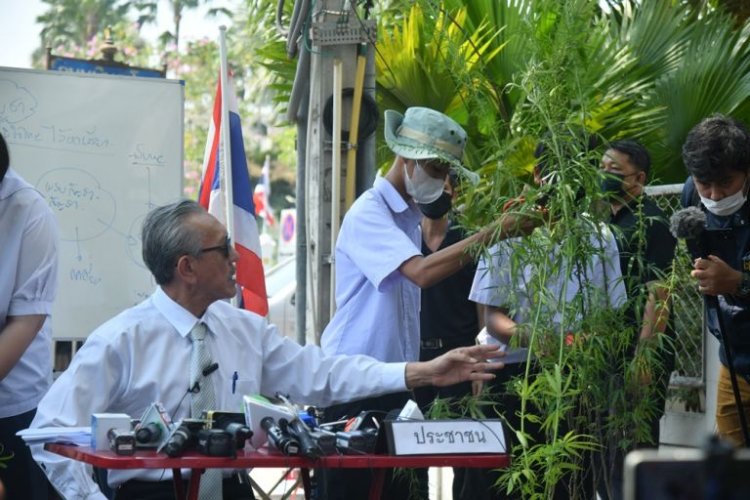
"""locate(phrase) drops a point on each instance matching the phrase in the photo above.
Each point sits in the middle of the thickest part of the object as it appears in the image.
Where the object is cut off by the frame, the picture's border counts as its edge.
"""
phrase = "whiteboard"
(102, 150)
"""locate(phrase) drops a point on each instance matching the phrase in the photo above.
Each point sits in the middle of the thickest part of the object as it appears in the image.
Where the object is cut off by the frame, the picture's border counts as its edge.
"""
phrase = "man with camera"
(716, 154)
(165, 349)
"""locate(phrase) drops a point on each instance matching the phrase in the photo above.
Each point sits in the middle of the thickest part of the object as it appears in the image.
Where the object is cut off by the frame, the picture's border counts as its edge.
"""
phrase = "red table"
(246, 459)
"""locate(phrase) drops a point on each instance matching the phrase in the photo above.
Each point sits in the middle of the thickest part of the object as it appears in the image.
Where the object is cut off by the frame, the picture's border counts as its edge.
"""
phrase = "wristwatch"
(743, 290)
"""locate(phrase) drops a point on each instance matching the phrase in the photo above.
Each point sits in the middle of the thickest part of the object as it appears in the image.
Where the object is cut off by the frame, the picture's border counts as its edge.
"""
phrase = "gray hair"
(166, 237)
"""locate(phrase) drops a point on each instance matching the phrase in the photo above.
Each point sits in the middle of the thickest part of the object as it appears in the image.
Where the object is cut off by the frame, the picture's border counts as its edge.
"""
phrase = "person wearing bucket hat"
(380, 268)
(425, 134)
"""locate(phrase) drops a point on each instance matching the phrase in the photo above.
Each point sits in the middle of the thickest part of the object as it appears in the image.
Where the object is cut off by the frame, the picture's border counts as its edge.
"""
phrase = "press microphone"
(689, 224)
(281, 439)
(308, 447)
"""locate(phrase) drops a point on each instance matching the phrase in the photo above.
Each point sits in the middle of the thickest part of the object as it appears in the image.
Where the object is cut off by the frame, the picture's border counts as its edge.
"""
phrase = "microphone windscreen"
(688, 223)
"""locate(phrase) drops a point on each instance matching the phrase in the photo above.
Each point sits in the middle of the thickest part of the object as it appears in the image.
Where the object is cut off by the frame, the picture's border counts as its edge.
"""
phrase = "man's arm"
(458, 365)
(15, 338)
(499, 324)
(91, 384)
(656, 311)
(426, 271)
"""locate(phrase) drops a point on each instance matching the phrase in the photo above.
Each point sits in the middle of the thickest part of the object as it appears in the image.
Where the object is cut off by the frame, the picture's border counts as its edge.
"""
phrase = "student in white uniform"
(380, 268)
(144, 355)
(28, 282)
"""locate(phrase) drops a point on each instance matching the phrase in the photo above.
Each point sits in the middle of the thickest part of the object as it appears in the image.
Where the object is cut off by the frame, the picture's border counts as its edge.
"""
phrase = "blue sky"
(19, 33)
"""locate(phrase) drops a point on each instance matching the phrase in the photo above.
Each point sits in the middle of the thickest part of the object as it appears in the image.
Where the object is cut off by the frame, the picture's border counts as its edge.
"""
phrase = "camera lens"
(178, 442)
(148, 433)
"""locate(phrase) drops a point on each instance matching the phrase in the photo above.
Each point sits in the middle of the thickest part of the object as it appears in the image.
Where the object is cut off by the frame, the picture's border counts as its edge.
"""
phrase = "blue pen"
(234, 381)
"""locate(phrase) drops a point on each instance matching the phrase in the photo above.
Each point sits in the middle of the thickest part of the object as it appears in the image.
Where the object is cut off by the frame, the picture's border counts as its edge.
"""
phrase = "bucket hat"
(422, 133)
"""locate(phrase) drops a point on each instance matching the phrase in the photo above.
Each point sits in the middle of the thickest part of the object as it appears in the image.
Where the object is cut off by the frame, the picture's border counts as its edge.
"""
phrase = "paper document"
(76, 435)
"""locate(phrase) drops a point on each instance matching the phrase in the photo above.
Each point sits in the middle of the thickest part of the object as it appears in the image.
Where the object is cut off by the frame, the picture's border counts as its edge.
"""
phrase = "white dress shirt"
(143, 355)
(28, 281)
(503, 280)
(377, 308)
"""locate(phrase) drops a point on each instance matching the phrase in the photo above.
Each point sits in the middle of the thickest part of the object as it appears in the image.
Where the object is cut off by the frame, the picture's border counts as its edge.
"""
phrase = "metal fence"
(687, 308)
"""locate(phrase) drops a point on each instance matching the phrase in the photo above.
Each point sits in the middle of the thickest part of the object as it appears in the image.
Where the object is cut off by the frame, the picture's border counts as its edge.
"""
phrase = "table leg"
(376, 488)
(194, 484)
(306, 484)
(179, 490)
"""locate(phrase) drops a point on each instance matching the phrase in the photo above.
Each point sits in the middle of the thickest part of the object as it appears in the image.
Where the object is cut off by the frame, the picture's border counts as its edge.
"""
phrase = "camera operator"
(716, 154)
(156, 351)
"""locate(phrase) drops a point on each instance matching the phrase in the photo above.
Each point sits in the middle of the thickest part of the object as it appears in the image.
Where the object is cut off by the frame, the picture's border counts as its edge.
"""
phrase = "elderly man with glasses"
(147, 353)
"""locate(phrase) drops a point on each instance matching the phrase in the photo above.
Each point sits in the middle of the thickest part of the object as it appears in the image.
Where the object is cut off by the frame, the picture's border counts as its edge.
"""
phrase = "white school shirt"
(377, 307)
(28, 281)
(143, 355)
(494, 284)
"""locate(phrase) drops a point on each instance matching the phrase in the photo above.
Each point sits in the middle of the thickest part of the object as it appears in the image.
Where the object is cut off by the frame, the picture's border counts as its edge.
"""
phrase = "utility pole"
(334, 38)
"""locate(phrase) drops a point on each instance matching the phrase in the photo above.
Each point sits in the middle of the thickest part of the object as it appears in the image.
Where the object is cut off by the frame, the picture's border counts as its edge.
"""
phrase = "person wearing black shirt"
(646, 251)
(447, 318)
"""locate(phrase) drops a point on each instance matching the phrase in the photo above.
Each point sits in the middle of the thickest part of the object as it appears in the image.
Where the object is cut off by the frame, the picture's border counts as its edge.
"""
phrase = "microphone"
(208, 370)
(689, 224)
(283, 442)
(307, 445)
(196, 387)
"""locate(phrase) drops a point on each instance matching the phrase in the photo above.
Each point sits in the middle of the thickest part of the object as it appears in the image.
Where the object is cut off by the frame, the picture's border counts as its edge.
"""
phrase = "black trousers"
(354, 484)
(22, 477)
(232, 489)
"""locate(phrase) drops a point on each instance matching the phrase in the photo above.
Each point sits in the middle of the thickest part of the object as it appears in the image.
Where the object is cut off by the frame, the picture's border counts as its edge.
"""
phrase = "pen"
(235, 376)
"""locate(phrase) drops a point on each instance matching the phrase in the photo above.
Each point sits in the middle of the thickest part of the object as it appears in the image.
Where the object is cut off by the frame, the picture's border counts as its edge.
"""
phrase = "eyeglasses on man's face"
(224, 249)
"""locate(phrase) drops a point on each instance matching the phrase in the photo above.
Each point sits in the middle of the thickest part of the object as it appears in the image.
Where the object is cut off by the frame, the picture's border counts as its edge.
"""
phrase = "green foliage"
(586, 397)
(4, 458)
(649, 72)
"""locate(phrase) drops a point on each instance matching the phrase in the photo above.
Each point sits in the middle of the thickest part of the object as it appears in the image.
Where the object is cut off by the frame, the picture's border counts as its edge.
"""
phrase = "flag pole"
(226, 149)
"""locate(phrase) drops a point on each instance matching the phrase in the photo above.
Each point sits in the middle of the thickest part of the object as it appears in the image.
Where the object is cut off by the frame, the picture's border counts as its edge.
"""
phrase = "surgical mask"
(612, 185)
(438, 208)
(422, 188)
(727, 205)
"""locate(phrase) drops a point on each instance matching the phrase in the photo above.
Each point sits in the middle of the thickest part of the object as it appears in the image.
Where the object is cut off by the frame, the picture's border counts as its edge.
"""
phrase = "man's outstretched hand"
(458, 365)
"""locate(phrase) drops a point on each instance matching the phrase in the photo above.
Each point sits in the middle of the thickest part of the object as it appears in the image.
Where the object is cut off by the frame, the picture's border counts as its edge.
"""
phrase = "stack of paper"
(80, 436)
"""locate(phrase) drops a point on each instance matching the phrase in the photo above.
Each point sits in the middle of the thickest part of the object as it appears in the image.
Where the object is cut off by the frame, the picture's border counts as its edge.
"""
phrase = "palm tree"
(78, 21)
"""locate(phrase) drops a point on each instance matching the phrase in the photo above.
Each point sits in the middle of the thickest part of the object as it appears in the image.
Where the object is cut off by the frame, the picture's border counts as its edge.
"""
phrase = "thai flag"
(250, 276)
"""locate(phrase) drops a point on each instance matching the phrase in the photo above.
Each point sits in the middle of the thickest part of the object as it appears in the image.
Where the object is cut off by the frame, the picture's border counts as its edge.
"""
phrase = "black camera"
(231, 422)
(184, 437)
(216, 443)
(326, 441)
(121, 441)
(357, 442)
(148, 435)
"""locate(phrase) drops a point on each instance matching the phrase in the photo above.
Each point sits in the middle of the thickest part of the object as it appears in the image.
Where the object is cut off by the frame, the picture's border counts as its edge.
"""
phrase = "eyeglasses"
(224, 249)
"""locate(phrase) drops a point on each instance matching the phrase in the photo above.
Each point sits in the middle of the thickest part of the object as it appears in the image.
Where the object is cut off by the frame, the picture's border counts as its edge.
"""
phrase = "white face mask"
(422, 188)
(727, 205)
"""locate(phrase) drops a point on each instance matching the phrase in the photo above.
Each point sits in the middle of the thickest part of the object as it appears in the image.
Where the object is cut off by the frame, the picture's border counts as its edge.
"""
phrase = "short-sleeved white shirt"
(28, 281)
(377, 308)
(142, 355)
(495, 285)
